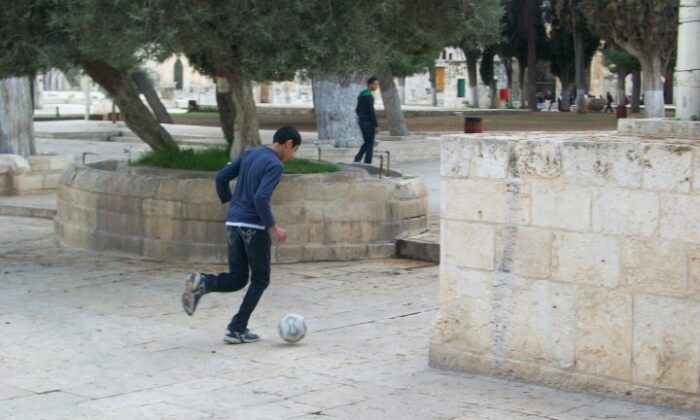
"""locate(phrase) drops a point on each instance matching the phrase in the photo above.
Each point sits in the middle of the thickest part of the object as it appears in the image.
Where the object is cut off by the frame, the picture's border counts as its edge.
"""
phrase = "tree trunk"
(136, 115)
(531, 56)
(335, 99)
(621, 96)
(392, 103)
(144, 84)
(636, 91)
(16, 117)
(246, 127)
(433, 85)
(226, 108)
(38, 92)
(472, 58)
(668, 86)
(580, 62)
(508, 65)
(521, 82)
(565, 94)
(653, 87)
(494, 94)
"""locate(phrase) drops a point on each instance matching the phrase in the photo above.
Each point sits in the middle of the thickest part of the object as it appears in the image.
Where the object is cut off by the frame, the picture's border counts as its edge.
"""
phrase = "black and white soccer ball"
(291, 328)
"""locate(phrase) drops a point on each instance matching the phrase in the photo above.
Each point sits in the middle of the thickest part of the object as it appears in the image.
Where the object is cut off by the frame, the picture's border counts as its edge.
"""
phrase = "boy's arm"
(224, 177)
(262, 196)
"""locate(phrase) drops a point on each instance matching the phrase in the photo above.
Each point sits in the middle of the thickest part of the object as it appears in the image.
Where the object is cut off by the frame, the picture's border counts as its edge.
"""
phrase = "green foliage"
(641, 27)
(413, 33)
(27, 41)
(514, 31)
(215, 158)
(559, 48)
(39, 34)
(618, 60)
(560, 54)
(486, 66)
(255, 39)
(483, 26)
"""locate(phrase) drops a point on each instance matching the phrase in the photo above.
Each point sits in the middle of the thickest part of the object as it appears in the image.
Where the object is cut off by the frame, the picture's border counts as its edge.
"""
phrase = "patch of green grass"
(215, 158)
(305, 166)
(211, 159)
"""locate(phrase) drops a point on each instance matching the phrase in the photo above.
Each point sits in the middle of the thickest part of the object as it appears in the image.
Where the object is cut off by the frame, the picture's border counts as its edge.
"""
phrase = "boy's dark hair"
(285, 133)
(371, 80)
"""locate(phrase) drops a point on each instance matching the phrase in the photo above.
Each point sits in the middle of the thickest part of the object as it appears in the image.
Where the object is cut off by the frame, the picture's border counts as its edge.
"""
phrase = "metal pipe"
(388, 157)
(318, 147)
(381, 165)
(87, 153)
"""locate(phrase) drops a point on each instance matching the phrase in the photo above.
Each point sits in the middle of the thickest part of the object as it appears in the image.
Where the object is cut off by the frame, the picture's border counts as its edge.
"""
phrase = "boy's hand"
(280, 233)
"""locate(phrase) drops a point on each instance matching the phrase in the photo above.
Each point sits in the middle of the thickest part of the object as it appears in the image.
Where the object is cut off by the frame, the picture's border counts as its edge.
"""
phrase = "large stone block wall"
(657, 127)
(31, 175)
(572, 260)
(176, 215)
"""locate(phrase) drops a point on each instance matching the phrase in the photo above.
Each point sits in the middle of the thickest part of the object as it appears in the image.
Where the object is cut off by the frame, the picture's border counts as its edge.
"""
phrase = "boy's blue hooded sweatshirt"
(258, 171)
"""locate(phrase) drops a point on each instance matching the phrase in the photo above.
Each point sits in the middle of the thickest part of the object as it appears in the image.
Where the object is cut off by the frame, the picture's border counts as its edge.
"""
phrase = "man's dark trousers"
(247, 247)
(367, 148)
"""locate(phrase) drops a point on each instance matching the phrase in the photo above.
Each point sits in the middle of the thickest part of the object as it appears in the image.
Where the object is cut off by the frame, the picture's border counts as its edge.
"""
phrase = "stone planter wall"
(573, 260)
(176, 215)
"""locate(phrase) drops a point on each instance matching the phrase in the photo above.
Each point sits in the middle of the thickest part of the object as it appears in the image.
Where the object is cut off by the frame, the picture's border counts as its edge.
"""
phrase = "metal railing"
(87, 153)
(317, 143)
(380, 154)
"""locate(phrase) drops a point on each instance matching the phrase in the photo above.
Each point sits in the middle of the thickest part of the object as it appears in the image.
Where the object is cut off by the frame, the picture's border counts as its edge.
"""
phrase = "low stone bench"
(176, 215)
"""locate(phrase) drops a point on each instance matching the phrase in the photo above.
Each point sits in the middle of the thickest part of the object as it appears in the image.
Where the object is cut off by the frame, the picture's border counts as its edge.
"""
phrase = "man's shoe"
(194, 290)
(194, 282)
(239, 338)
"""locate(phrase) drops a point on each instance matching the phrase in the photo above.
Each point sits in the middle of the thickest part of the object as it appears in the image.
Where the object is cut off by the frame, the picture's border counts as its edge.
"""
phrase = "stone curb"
(27, 211)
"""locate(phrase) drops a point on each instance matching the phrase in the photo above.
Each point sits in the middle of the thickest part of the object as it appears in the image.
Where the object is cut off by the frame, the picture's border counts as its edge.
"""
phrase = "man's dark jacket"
(365, 108)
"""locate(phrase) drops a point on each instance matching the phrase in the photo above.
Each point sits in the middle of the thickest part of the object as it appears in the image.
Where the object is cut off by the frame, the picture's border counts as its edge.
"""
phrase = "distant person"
(249, 223)
(548, 100)
(609, 101)
(367, 119)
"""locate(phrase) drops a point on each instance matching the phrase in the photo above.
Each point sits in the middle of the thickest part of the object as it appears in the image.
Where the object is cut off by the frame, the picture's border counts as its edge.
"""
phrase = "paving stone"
(115, 344)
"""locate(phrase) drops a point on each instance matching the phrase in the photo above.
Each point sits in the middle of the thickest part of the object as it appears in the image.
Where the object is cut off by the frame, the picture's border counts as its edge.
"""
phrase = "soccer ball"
(291, 328)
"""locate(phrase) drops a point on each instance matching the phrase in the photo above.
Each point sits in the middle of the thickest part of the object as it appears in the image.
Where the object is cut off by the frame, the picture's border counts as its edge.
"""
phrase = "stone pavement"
(91, 336)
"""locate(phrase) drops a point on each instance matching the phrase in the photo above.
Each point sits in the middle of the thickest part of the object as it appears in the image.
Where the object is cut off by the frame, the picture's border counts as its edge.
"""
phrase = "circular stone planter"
(176, 215)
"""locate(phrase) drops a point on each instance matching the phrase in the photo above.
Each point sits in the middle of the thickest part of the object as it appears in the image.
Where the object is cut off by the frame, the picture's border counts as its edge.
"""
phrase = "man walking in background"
(249, 223)
(608, 104)
(367, 120)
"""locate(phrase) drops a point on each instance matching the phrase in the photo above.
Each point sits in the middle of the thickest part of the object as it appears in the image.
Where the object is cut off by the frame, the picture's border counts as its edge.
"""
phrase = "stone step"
(425, 247)
(40, 205)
